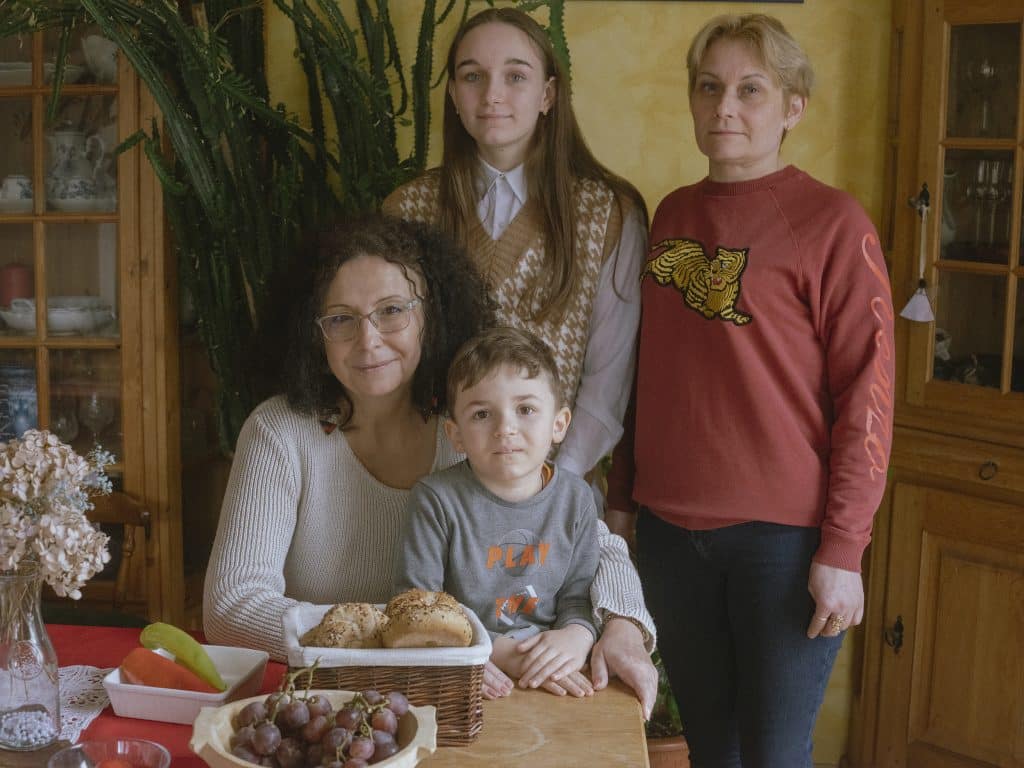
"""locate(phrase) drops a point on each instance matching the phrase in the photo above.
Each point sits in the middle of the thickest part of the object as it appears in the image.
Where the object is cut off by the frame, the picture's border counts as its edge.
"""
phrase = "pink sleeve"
(855, 322)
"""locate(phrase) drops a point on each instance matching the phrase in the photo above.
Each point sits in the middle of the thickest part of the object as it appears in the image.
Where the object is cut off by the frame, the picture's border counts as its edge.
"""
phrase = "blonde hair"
(766, 35)
(489, 350)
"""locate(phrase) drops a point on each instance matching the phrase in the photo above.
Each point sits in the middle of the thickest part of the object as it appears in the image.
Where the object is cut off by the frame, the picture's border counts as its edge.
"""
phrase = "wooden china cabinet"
(88, 295)
(943, 655)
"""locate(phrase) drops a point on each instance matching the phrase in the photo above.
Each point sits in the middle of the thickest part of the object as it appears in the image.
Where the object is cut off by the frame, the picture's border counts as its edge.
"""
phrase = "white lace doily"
(82, 698)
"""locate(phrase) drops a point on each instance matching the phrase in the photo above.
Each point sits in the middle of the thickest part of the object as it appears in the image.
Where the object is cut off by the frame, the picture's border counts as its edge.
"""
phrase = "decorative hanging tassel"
(919, 308)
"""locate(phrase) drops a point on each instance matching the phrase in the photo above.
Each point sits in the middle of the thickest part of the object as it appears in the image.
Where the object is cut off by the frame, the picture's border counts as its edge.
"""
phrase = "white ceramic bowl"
(72, 72)
(64, 314)
(211, 734)
(83, 204)
(241, 668)
(19, 321)
(15, 73)
(22, 205)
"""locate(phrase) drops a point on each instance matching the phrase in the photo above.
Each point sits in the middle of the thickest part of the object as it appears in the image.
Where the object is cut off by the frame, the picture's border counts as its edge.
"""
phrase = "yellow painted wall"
(629, 84)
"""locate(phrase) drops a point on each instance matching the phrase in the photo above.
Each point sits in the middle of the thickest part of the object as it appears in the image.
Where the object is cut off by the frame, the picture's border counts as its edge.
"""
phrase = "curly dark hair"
(457, 305)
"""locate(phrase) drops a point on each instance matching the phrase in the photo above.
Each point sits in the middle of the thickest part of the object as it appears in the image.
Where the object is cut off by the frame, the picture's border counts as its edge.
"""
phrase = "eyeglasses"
(387, 319)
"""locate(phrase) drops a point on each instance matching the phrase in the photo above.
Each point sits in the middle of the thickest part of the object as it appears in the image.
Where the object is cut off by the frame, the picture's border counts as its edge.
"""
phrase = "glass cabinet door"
(60, 340)
(971, 155)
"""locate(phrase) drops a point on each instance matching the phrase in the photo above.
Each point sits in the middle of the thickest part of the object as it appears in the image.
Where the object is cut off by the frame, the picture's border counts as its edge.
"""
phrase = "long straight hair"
(557, 156)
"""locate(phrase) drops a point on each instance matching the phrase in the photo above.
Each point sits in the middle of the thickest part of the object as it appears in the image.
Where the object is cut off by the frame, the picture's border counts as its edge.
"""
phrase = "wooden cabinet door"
(953, 694)
(971, 359)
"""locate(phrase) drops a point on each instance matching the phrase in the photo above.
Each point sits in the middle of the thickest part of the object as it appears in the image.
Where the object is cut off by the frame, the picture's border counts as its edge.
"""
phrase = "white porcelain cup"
(16, 187)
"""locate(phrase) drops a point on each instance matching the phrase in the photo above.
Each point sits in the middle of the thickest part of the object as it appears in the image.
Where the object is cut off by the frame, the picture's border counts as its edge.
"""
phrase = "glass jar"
(29, 684)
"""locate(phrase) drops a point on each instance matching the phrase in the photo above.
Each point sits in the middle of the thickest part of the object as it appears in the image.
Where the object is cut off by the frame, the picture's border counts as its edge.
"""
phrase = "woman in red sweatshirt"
(763, 411)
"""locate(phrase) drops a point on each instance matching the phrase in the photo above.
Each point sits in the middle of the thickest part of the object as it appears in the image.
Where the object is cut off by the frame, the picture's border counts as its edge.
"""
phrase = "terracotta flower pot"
(669, 752)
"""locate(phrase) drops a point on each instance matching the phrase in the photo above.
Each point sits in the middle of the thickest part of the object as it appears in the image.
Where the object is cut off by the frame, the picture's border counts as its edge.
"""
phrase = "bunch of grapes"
(295, 730)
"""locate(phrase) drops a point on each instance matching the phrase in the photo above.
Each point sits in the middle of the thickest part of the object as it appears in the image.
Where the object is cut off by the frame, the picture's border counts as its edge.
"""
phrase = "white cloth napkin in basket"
(302, 617)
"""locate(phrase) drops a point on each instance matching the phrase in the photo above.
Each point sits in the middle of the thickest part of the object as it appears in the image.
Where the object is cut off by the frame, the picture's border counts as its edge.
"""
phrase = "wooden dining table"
(529, 729)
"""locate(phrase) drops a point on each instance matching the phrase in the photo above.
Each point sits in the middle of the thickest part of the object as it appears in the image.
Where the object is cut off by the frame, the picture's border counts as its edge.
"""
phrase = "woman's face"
(740, 112)
(499, 90)
(372, 364)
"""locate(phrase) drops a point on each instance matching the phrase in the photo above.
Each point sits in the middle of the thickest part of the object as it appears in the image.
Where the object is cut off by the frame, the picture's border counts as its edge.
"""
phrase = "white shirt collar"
(516, 179)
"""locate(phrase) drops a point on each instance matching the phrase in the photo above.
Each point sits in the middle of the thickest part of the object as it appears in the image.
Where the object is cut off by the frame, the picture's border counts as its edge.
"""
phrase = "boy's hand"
(575, 684)
(506, 656)
(553, 655)
(496, 683)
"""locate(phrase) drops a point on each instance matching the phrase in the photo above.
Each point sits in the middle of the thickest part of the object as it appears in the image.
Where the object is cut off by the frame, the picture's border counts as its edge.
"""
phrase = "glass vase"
(29, 686)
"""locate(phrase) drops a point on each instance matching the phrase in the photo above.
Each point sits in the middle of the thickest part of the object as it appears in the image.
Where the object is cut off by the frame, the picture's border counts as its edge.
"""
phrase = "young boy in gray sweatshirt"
(509, 534)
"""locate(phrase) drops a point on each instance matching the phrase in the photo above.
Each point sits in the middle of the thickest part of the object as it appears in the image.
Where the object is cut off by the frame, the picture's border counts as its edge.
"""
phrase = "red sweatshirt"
(765, 375)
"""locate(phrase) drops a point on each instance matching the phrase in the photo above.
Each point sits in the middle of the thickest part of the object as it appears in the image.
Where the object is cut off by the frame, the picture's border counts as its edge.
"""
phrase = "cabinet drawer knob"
(988, 470)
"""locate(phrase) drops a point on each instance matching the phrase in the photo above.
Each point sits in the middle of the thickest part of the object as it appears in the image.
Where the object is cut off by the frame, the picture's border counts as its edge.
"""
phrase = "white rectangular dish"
(241, 668)
(302, 617)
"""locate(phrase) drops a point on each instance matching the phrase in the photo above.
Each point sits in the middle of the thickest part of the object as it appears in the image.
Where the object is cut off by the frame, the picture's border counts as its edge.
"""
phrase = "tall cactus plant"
(244, 179)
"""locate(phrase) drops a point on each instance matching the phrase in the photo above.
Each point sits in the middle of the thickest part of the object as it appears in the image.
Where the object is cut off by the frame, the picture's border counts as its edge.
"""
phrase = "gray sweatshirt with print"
(522, 567)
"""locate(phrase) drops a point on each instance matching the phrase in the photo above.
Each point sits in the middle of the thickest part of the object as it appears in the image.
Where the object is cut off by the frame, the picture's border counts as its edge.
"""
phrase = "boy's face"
(506, 424)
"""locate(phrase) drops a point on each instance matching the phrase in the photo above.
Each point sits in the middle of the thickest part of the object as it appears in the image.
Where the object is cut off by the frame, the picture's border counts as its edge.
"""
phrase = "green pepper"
(186, 650)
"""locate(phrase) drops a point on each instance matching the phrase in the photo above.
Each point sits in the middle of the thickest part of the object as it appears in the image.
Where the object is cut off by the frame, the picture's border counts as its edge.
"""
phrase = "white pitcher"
(72, 175)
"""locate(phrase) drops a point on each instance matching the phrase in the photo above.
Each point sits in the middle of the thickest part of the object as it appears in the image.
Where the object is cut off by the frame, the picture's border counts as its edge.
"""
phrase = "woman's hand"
(620, 652)
(554, 655)
(838, 600)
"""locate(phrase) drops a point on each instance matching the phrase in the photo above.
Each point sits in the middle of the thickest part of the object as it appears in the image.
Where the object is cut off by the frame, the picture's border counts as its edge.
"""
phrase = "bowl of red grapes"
(296, 728)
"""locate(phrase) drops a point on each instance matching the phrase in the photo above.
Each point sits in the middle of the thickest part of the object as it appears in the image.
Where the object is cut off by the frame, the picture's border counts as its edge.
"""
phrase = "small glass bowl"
(137, 753)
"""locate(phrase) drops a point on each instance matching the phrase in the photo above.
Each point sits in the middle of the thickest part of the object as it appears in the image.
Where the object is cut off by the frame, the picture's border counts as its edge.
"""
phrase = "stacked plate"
(15, 73)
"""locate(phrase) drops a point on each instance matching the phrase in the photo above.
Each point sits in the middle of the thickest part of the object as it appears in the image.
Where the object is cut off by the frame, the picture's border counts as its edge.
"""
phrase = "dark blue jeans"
(732, 610)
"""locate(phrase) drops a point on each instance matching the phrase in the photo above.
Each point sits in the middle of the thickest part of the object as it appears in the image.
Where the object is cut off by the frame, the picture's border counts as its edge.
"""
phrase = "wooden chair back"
(119, 508)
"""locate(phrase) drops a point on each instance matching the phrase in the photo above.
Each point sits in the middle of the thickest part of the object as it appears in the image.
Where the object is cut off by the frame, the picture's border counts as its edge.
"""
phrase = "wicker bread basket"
(450, 679)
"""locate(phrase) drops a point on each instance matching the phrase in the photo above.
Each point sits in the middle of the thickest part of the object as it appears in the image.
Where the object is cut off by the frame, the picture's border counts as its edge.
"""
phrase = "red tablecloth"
(105, 647)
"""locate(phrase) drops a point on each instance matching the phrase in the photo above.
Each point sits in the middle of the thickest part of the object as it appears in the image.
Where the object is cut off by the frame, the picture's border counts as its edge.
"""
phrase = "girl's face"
(374, 365)
(740, 112)
(499, 89)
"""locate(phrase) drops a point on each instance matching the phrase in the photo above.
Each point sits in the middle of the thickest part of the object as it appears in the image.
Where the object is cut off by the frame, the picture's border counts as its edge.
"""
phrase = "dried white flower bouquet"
(44, 495)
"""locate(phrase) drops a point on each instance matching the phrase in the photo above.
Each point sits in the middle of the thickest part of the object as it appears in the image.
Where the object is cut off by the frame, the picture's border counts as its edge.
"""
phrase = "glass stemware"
(994, 194)
(976, 192)
(96, 413)
(982, 77)
(64, 420)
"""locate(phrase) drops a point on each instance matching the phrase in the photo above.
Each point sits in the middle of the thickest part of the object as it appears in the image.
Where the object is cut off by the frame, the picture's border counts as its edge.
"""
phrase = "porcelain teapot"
(101, 57)
(72, 176)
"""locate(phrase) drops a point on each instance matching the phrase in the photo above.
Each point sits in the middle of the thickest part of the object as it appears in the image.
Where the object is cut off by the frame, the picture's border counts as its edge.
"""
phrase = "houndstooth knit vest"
(513, 261)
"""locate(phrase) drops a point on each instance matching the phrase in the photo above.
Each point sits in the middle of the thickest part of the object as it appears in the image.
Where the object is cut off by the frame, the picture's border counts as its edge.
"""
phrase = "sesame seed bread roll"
(418, 618)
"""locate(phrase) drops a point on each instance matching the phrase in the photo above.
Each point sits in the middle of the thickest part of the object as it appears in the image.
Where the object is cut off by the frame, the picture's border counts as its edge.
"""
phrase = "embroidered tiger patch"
(708, 286)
